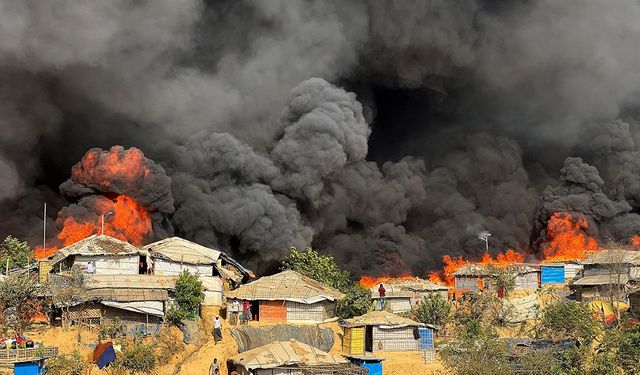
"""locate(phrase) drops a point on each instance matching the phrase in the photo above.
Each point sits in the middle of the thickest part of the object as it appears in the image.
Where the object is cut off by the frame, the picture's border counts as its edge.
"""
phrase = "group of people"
(237, 308)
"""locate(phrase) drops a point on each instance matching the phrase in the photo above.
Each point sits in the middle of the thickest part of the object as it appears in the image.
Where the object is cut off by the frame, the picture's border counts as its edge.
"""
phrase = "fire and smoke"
(441, 119)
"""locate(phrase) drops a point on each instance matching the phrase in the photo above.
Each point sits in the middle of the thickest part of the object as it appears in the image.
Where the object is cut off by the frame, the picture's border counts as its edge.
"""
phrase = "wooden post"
(7, 268)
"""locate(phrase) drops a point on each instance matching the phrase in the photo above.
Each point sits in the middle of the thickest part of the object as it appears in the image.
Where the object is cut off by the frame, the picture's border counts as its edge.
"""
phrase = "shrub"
(540, 362)
(188, 297)
(21, 294)
(17, 253)
(66, 365)
(356, 302)
(629, 351)
(137, 358)
(569, 320)
(433, 309)
(110, 328)
(476, 350)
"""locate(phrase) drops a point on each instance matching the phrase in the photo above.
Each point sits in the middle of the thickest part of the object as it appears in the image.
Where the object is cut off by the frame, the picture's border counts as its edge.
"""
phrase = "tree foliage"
(188, 297)
(357, 302)
(19, 293)
(569, 320)
(628, 354)
(502, 279)
(433, 309)
(138, 358)
(16, 252)
(322, 268)
(540, 362)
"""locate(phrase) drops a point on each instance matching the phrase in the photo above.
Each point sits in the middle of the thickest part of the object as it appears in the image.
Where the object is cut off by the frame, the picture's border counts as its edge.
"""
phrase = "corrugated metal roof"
(613, 257)
(288, 286)
(381, 318)
(602, 280)
(180, 250)
(285, 353)
(95, 245)
(130, 281)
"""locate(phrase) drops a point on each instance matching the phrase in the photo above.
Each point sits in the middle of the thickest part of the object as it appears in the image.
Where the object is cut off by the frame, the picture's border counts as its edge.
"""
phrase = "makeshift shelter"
(472, 278)
(402, 294)
(383, 332)
(289, 297)
(525, 277)
(173, 255)
(110, 256)
(607, 274)
(292, 357)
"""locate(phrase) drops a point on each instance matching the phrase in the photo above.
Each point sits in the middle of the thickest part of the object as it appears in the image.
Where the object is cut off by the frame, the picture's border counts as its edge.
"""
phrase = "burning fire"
(568, 238)
(635, 241)
(110, 174)
(124, 219)
(370, 281)
(452, 264)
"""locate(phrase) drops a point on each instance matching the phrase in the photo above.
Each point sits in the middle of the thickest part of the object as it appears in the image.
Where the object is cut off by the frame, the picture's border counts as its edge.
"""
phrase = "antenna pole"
(102, 224)
(44, 227)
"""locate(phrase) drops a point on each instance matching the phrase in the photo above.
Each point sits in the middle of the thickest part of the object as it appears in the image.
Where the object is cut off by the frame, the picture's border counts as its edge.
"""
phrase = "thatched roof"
(612, 257)
(286, 286)
(285, 353)
(381, 318)
(96, 245)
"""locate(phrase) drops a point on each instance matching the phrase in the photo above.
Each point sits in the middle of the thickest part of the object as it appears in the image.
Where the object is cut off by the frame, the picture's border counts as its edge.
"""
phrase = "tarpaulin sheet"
(249, 338)
(100, 348)
(108, 356)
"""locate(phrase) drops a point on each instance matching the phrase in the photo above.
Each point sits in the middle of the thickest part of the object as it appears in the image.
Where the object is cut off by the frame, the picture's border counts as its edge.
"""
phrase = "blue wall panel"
(551, 274)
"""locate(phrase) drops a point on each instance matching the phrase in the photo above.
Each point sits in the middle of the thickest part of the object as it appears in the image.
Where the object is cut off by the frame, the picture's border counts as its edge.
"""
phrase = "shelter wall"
(111, 264)
(353, 341)
(552, 274)
(398, 305)
(314, 312)
(95, 313)
(596, 270)
(527, 281)
(273, 311)
(169, 268)
(463, 282)
(394, 339)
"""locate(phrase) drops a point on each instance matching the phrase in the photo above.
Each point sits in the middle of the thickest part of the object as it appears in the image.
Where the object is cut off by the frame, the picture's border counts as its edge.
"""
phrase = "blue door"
(552, 274)
(426, 338)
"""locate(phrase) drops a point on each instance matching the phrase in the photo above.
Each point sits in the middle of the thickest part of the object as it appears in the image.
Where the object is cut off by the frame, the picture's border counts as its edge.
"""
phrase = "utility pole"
(44, 227)
(103, 216)
(484, 235)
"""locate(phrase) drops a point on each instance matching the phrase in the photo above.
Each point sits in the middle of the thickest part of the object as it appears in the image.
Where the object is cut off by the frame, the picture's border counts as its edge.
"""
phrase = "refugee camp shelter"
(292, 357)
(402, 294)
(559, 272)
(384, 332)
(173, 255)
(139, 302)
(607, 273)
(525, 277)
(289, 297)
(472, 278)
(110, 256)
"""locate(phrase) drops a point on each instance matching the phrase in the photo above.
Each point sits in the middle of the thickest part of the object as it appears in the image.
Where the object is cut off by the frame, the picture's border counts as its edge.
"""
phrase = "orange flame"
(127, 220)
(370, 281)
(635, 241)
(568, 238)
(114, 167)
(452, 264)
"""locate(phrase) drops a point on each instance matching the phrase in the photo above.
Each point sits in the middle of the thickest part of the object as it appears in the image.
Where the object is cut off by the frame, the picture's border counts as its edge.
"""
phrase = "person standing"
(214, 369)
(235, 311)
(90, 267)
(246, 311)
(217, 329)
(382, 292)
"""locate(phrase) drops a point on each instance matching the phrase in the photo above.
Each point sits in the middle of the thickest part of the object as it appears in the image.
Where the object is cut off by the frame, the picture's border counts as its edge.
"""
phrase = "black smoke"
(385, 132)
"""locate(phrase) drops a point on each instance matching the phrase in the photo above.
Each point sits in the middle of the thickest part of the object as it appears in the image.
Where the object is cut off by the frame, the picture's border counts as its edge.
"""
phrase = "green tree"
(138, 358)
(322, 268)
(72, 364)
(16, 252)
(19, 293)
(540, 362)
(188, 297)
(502, 279)
(357, 302)
(476, 350)
(433, 309)
(569, 320)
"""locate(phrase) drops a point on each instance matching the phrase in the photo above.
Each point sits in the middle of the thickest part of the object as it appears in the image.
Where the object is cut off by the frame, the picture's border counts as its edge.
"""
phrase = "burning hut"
(525, 277)
(173, 255)
(476, 277)
(289, 297)
(402, 294)
(385, 332)
(292, 357)
(108, 256)
(607, 274)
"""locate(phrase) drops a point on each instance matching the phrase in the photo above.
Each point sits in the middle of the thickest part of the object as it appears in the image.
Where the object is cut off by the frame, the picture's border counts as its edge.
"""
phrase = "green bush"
(433, 309)
(16, 252)
(540, 362)
(188, 298)
(110, 328)
(137, 358)
(628, 355)
(569, 320)
(66, 365)
(357, 302)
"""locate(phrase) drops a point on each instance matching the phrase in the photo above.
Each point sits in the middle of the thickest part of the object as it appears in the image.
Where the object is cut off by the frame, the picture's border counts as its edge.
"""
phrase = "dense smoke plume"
(385, 132)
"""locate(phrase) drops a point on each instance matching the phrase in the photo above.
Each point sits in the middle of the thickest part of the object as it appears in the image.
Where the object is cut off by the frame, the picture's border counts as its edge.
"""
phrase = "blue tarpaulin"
(107, 356)
(552, 274)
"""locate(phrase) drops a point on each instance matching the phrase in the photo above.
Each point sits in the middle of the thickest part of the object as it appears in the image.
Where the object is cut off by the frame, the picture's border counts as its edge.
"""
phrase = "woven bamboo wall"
(84, 311)
(296, 311)
(527, 281)
(399, 305)
(394, 340)
(466, 282)
(273, 311)
(353, 341)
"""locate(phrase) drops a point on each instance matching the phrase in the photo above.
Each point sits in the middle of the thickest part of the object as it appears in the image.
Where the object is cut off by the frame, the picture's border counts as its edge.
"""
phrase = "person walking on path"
(246, 312)
(214, 369)
(383, 293)
(217, 329)
(235, 312)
